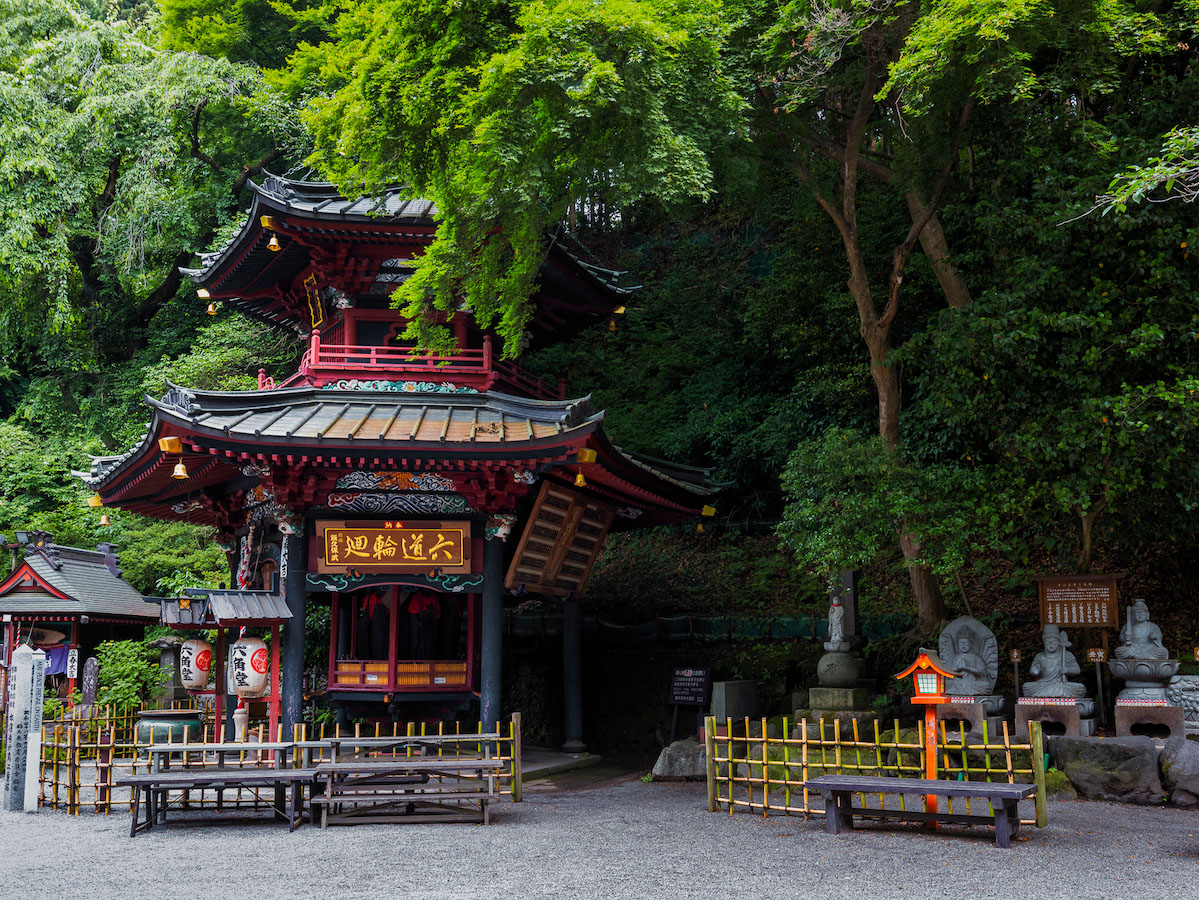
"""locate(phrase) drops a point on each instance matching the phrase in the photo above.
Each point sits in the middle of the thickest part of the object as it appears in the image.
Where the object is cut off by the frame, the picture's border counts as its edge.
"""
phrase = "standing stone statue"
(1053, 667)
(837, 642)
(1140, 638)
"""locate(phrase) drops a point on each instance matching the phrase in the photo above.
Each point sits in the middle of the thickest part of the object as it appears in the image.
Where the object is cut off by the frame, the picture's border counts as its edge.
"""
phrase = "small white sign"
(73, 663)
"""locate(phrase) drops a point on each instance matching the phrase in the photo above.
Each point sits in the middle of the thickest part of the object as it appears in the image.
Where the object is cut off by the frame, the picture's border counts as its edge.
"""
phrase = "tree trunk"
(1086, 521)
(931, 608)
(933, 242)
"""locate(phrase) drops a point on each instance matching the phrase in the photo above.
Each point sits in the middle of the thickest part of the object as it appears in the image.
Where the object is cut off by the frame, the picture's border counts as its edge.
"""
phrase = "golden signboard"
(381, 547)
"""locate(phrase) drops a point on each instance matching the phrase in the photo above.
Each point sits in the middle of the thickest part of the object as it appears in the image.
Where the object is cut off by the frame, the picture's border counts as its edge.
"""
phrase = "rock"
(682, 761)
(1124, 769)
(1179, 763)
(1059, 786)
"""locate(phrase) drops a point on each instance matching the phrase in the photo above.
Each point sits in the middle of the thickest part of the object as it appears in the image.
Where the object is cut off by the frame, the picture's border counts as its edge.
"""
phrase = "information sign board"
(690, 687)
(1082, 601)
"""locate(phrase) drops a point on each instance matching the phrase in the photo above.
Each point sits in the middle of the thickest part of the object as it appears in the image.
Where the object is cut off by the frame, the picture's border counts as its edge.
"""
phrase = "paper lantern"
(248, 667)
(195, 662)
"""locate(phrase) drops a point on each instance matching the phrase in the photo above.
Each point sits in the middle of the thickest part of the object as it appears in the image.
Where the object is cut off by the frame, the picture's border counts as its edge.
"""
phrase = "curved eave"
(221, 431)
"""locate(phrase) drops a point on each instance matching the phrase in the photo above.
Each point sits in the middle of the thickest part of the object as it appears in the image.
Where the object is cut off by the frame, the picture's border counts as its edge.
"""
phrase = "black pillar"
(491, 628)
(572, 677)
(291, 656)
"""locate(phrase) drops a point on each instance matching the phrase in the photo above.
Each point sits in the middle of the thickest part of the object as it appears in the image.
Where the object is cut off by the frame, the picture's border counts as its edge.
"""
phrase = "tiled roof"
(84, 577)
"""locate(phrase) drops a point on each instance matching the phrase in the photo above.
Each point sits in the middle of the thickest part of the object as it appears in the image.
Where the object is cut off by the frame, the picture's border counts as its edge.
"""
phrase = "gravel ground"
(617, 839)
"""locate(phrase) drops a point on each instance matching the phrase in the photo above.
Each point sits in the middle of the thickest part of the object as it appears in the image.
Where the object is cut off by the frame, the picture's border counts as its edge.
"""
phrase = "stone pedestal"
(1149, 717)
(1145, 679)
(864, 717)
(973, 712)
(849, 698)
(1066, 715)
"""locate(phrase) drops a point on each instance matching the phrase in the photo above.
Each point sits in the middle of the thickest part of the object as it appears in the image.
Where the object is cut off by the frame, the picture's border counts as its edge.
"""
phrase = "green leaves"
(505, 114)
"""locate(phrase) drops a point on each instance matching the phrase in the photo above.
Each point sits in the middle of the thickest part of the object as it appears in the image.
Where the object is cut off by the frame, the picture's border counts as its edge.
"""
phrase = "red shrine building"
(407, 492)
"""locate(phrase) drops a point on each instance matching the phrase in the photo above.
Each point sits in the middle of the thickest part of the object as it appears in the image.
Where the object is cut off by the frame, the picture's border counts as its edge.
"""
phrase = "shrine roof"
(436, 427)
(308, 417)
(315, 214)
(56, 579)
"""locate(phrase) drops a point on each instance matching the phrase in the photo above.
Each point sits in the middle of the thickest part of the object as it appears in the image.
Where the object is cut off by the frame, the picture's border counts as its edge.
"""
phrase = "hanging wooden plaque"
(561, 541)
(378, 547)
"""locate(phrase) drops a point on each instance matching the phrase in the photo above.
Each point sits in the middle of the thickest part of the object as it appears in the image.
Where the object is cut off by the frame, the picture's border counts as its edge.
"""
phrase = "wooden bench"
(157, 784)
(839, 812)
(406, 789)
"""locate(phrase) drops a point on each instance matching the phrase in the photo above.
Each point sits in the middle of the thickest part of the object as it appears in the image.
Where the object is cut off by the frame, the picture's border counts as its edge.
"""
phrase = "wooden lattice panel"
(561, 541)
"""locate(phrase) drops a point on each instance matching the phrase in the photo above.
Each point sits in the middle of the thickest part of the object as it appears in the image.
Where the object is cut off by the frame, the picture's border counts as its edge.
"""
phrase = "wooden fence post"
(104, 754)
(517, 779)
(1037, 753)
(710, 765)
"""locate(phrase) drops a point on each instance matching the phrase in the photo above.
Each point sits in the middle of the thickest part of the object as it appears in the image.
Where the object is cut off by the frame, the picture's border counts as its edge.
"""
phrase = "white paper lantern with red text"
(248, 667)
(195, 662)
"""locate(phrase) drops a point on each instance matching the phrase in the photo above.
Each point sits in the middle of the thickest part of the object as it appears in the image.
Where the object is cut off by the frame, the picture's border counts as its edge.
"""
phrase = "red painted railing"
(478, 368)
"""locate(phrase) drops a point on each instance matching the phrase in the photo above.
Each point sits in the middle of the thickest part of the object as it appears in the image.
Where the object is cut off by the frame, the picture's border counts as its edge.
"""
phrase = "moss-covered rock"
(1121, 769)
(1059, 786)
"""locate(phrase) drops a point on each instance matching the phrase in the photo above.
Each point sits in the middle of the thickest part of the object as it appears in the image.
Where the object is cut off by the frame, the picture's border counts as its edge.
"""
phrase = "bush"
(129, 673)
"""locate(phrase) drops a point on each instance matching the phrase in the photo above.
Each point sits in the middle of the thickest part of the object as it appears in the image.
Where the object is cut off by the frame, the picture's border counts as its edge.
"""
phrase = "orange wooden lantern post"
(929, 683)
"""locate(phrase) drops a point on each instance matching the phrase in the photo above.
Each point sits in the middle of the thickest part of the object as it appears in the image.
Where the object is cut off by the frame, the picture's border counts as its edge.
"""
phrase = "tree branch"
(901, 254)
(197, 153)
(265, 160)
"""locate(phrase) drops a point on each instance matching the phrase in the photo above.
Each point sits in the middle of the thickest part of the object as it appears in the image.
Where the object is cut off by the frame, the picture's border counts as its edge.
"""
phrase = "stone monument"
(838, 670)
(169, 685)
(968, 648)
(90, 684)
(1053, 697)
(23, 729)
(1142, 662)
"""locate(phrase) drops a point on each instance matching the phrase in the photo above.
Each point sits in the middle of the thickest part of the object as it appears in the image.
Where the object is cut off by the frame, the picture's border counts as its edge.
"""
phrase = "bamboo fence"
(82, 760)
(770, 775)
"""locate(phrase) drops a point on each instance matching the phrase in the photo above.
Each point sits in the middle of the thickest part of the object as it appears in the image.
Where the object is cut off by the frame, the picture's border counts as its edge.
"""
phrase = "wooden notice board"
(561, 541)
(1082, 601)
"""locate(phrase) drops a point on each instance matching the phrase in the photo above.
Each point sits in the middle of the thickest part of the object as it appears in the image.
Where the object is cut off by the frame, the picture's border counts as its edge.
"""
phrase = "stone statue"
(1140, 638)
(1052, 667)
(968, 648)
(837, 642)
(1141, 660)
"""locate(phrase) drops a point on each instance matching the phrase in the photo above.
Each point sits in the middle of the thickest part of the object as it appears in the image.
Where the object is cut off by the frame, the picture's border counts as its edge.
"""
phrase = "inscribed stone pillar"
(572, 677)
(491, 632)
(291, 657)
(23, 727)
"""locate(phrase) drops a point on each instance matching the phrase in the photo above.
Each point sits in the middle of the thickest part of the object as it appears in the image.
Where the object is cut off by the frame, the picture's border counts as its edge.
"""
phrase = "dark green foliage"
(129, 673)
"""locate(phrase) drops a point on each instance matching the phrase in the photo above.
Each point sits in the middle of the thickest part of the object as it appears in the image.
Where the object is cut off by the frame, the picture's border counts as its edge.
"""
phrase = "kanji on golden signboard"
(394, 546)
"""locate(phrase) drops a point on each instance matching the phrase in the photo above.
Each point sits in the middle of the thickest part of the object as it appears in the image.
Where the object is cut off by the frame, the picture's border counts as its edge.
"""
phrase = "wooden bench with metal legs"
(840, 812)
